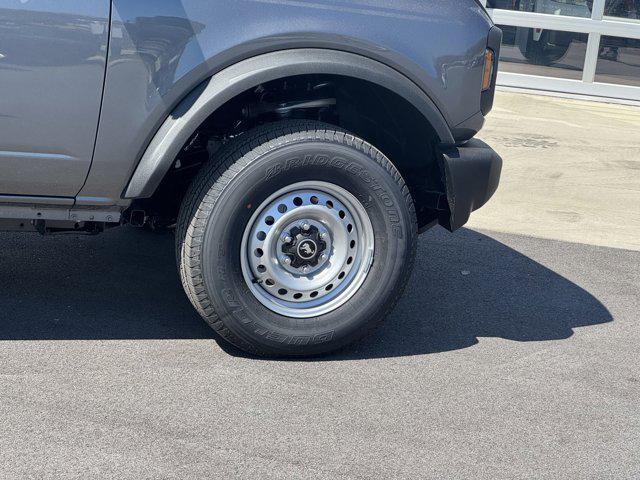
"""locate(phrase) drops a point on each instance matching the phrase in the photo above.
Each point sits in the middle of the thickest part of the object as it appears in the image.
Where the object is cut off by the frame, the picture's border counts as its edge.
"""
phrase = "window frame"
(596, 27)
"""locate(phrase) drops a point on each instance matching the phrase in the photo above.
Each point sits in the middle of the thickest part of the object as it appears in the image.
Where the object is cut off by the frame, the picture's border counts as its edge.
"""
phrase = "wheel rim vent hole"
(329, 204)
(314, 200)
(270, 283)
(352, 244)
(261, 236)
(329, 287)
(269, 220)
(282, 292)
(297, 296)
(349, 260)
(262, 269)
(342, 214)
(341, 276)
(313, 294)
(282, 208)
(259, 252)
(297, 201)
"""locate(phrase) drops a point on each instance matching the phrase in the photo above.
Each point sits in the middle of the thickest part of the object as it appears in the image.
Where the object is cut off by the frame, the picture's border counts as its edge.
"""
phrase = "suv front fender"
(185, 119)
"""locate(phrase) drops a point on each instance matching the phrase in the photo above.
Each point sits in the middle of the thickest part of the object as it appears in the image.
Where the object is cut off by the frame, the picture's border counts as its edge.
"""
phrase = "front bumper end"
(472, 174)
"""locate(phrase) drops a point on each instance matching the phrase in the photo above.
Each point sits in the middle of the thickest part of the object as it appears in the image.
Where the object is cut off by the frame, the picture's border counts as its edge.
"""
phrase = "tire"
(543, 52)
(227, 201)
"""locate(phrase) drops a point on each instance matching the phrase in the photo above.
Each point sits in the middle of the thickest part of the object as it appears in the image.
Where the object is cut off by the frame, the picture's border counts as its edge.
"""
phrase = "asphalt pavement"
(508, 357)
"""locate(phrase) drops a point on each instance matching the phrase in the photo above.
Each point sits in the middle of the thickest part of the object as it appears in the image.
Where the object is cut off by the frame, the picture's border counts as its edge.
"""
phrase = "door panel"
(52, 62)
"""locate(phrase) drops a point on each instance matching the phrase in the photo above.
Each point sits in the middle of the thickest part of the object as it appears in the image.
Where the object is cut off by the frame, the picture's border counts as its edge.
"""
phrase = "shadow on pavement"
(467, 286)
(124, 285)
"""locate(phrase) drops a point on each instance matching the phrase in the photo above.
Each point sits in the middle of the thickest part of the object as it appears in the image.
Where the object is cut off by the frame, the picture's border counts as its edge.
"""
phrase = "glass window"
(622, 8)
(572, 8)
(536, 51)
(618, 61)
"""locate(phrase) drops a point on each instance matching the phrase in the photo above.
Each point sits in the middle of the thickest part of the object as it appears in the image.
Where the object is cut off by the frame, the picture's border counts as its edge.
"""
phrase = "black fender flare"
(203, 101)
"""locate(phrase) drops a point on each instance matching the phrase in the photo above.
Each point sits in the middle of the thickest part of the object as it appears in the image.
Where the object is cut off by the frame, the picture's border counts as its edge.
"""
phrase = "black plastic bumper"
(472, 174)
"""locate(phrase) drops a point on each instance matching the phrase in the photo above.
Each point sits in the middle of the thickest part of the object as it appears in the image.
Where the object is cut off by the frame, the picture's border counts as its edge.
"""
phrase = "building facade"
(587, 47)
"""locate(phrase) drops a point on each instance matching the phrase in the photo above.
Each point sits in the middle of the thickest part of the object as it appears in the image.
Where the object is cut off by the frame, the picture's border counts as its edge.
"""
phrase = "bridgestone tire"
(222, 200)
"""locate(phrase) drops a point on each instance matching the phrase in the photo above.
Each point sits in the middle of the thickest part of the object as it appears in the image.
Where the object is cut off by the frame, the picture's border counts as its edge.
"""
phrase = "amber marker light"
(487, 75)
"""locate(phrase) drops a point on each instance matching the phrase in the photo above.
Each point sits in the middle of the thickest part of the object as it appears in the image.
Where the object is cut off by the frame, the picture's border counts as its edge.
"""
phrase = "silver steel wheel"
(307, 249)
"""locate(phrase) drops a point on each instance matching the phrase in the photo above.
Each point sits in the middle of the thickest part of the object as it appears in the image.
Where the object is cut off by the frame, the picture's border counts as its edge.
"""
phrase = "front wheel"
(296, 239)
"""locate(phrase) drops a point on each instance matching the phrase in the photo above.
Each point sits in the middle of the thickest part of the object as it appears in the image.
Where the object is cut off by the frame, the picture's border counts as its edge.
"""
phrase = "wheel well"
(374, 113)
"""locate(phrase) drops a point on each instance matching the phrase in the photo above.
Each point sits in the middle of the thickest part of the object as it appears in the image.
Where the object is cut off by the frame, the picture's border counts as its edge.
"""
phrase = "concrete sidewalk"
(571, 170)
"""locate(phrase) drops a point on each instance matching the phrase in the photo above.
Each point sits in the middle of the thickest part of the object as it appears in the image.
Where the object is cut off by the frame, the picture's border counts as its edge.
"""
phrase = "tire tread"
(210, 182)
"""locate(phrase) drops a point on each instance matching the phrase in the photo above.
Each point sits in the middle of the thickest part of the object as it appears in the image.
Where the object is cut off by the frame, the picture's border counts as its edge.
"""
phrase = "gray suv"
(297, 148)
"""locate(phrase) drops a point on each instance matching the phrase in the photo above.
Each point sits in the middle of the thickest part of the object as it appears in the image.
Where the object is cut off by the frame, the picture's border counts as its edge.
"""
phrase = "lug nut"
(305, 270)
(306, 226)
(286, 260)
(287, 239)
(324, 257)
(324, 235)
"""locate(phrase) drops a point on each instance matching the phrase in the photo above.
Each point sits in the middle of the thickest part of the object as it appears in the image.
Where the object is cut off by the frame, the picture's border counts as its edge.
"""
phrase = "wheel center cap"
(307, 249)
(304, 246)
